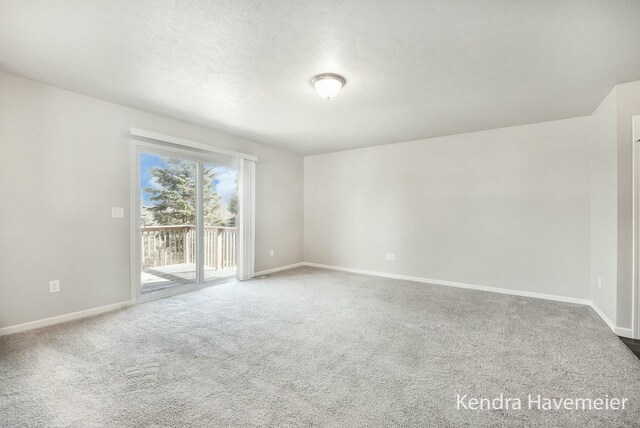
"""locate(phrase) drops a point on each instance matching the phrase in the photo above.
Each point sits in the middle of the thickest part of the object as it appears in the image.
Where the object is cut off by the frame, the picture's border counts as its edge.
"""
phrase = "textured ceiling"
(414, 69)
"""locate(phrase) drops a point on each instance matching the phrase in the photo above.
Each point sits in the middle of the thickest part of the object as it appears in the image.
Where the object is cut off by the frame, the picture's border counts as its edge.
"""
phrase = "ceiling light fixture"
(328, 85)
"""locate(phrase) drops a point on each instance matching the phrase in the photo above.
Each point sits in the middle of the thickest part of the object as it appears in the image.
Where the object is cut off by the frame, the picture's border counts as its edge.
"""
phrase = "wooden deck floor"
(161, 277)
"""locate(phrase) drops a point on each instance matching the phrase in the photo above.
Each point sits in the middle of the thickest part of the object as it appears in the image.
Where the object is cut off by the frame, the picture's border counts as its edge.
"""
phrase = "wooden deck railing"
(168, 245)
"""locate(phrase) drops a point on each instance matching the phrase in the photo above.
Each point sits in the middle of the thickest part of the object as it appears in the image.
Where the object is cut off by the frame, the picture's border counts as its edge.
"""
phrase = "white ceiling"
(414, 69)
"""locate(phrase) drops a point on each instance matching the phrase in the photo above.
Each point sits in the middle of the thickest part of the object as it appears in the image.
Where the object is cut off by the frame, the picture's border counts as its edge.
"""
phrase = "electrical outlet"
(388, 256)
(393, 257)
(599, 282)
(54, 286)
(271, 253)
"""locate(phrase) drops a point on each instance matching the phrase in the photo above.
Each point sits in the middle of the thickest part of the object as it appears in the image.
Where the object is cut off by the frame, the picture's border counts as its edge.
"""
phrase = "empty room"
(347, 213)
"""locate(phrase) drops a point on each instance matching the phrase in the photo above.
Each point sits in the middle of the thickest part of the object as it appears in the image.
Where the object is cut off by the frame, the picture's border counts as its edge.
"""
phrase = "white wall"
(64, 162)
(604, 212)
(628, 104)
(506, 208)
(611, 204)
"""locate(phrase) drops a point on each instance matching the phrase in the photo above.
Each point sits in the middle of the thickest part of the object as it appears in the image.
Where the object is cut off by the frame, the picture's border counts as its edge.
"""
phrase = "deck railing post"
(165, 245)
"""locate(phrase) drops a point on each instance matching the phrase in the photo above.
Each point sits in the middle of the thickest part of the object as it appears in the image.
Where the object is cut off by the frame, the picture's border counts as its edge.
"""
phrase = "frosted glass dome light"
(328, 85)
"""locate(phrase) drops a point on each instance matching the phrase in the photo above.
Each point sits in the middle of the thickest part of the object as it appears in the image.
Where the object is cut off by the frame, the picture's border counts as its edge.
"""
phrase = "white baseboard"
(620, 331)
(458, 284)
(624, 332)
(18, 328)
(278, 269)
(605, 318)
(62, 318)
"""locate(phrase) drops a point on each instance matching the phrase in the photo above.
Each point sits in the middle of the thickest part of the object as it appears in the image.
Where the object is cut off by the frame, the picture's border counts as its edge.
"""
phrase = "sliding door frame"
(635, 251)
(199, 156)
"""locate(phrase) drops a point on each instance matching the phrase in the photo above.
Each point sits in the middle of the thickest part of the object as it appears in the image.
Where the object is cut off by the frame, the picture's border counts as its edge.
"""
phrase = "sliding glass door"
(186, 220)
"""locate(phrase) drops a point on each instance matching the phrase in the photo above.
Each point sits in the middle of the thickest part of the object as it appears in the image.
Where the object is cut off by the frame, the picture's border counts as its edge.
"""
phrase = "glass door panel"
(220, 207)
(168, 210)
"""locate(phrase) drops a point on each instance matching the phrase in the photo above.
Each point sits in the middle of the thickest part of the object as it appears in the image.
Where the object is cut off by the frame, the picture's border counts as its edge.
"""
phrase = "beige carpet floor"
(312, 347)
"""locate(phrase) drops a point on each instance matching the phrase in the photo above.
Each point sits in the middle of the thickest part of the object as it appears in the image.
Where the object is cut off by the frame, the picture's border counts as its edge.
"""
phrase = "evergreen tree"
(174, 198)
(233, 209)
